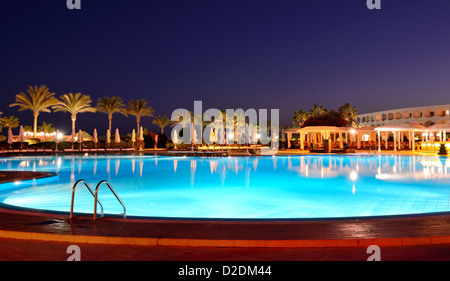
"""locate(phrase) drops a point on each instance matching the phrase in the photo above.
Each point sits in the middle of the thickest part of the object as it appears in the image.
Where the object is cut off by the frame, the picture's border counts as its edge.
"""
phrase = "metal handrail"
(115, 194)
(73, 197)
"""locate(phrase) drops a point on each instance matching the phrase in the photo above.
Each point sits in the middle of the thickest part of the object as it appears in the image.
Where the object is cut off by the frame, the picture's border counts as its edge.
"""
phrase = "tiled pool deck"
(420, 238)
(409, 238)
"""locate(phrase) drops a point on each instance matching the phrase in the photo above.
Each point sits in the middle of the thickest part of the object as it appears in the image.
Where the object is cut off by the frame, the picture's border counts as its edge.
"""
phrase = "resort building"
(422, 129)
(423, 115)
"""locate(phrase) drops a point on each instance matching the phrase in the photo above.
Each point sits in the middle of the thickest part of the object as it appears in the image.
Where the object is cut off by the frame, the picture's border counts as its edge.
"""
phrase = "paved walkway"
(46, 237)
(29, 250)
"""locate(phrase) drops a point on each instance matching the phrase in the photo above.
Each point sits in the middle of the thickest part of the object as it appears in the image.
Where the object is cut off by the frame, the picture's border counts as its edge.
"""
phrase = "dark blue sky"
(228, 53)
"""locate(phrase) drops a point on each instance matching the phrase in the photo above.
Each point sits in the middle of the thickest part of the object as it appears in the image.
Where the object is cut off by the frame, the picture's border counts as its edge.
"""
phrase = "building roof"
(402, 127)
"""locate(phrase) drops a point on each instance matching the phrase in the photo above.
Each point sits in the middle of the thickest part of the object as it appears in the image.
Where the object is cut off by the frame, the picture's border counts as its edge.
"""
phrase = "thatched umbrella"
(80, 138)
(72, 138)
(221, 135)
(108, 137)
(133, 137)
(117, 137)
(10, 138)
(57, 139)
(175, 138)
(193, 135)
(21, 136)
(95, 138)
(141, 138)
(247, 138)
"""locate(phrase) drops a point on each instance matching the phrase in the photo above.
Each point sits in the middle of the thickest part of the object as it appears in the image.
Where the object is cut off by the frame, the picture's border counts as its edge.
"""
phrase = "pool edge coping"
(234, 243)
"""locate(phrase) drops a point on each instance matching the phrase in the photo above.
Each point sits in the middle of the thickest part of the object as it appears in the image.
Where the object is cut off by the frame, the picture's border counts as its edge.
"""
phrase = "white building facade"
(423, 115)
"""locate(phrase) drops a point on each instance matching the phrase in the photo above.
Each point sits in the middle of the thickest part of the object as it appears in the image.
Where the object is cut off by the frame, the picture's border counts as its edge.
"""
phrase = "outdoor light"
(59, 135)
(352, 131)
(353, 175)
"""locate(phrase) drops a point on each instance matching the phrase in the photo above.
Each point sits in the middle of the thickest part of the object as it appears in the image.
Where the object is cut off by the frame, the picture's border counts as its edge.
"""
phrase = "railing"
(115, 194)
(90, 190)
(431, 147)
(96, 200)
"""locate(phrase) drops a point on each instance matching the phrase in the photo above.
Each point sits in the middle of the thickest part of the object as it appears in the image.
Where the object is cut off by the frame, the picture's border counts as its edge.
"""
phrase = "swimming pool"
(281, 187)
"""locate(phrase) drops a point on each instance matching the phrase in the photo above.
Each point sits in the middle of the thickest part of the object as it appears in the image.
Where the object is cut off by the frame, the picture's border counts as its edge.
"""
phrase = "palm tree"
(349, 112)
(37, 100)
(161, 121)
(74, 104)
(47, 128)
(185, 119)
(317, 110)
(111, 105)
(139, 108)
(10, 122)
(299, 117)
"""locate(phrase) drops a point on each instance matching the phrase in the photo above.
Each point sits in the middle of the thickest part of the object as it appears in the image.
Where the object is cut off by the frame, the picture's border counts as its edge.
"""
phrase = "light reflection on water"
(239, 187)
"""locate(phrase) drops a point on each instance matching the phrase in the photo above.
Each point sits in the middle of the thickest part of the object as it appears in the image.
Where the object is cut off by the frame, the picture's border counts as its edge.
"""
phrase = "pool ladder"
(96, 197)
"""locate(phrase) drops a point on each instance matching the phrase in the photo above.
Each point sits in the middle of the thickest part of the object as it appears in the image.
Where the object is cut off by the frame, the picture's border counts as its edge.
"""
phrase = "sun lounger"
(197, 153)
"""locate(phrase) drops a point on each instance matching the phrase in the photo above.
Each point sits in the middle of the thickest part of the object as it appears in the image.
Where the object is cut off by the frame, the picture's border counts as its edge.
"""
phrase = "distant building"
(424, 115)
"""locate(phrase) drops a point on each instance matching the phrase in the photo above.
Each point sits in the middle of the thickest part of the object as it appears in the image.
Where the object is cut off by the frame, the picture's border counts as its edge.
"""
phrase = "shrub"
(162, 140)
(331, 118)
(32, 141)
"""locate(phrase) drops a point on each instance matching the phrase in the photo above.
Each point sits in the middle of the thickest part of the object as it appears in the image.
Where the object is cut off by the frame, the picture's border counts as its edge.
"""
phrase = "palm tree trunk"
(110, 121)
(74, 118)
(138, 121)
(35, 124)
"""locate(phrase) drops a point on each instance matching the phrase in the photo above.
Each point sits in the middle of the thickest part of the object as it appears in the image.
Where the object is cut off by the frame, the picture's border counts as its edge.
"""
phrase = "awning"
(404, 127)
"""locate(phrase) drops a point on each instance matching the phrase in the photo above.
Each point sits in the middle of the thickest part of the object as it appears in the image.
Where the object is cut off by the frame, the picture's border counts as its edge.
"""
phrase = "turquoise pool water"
(237, 187)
